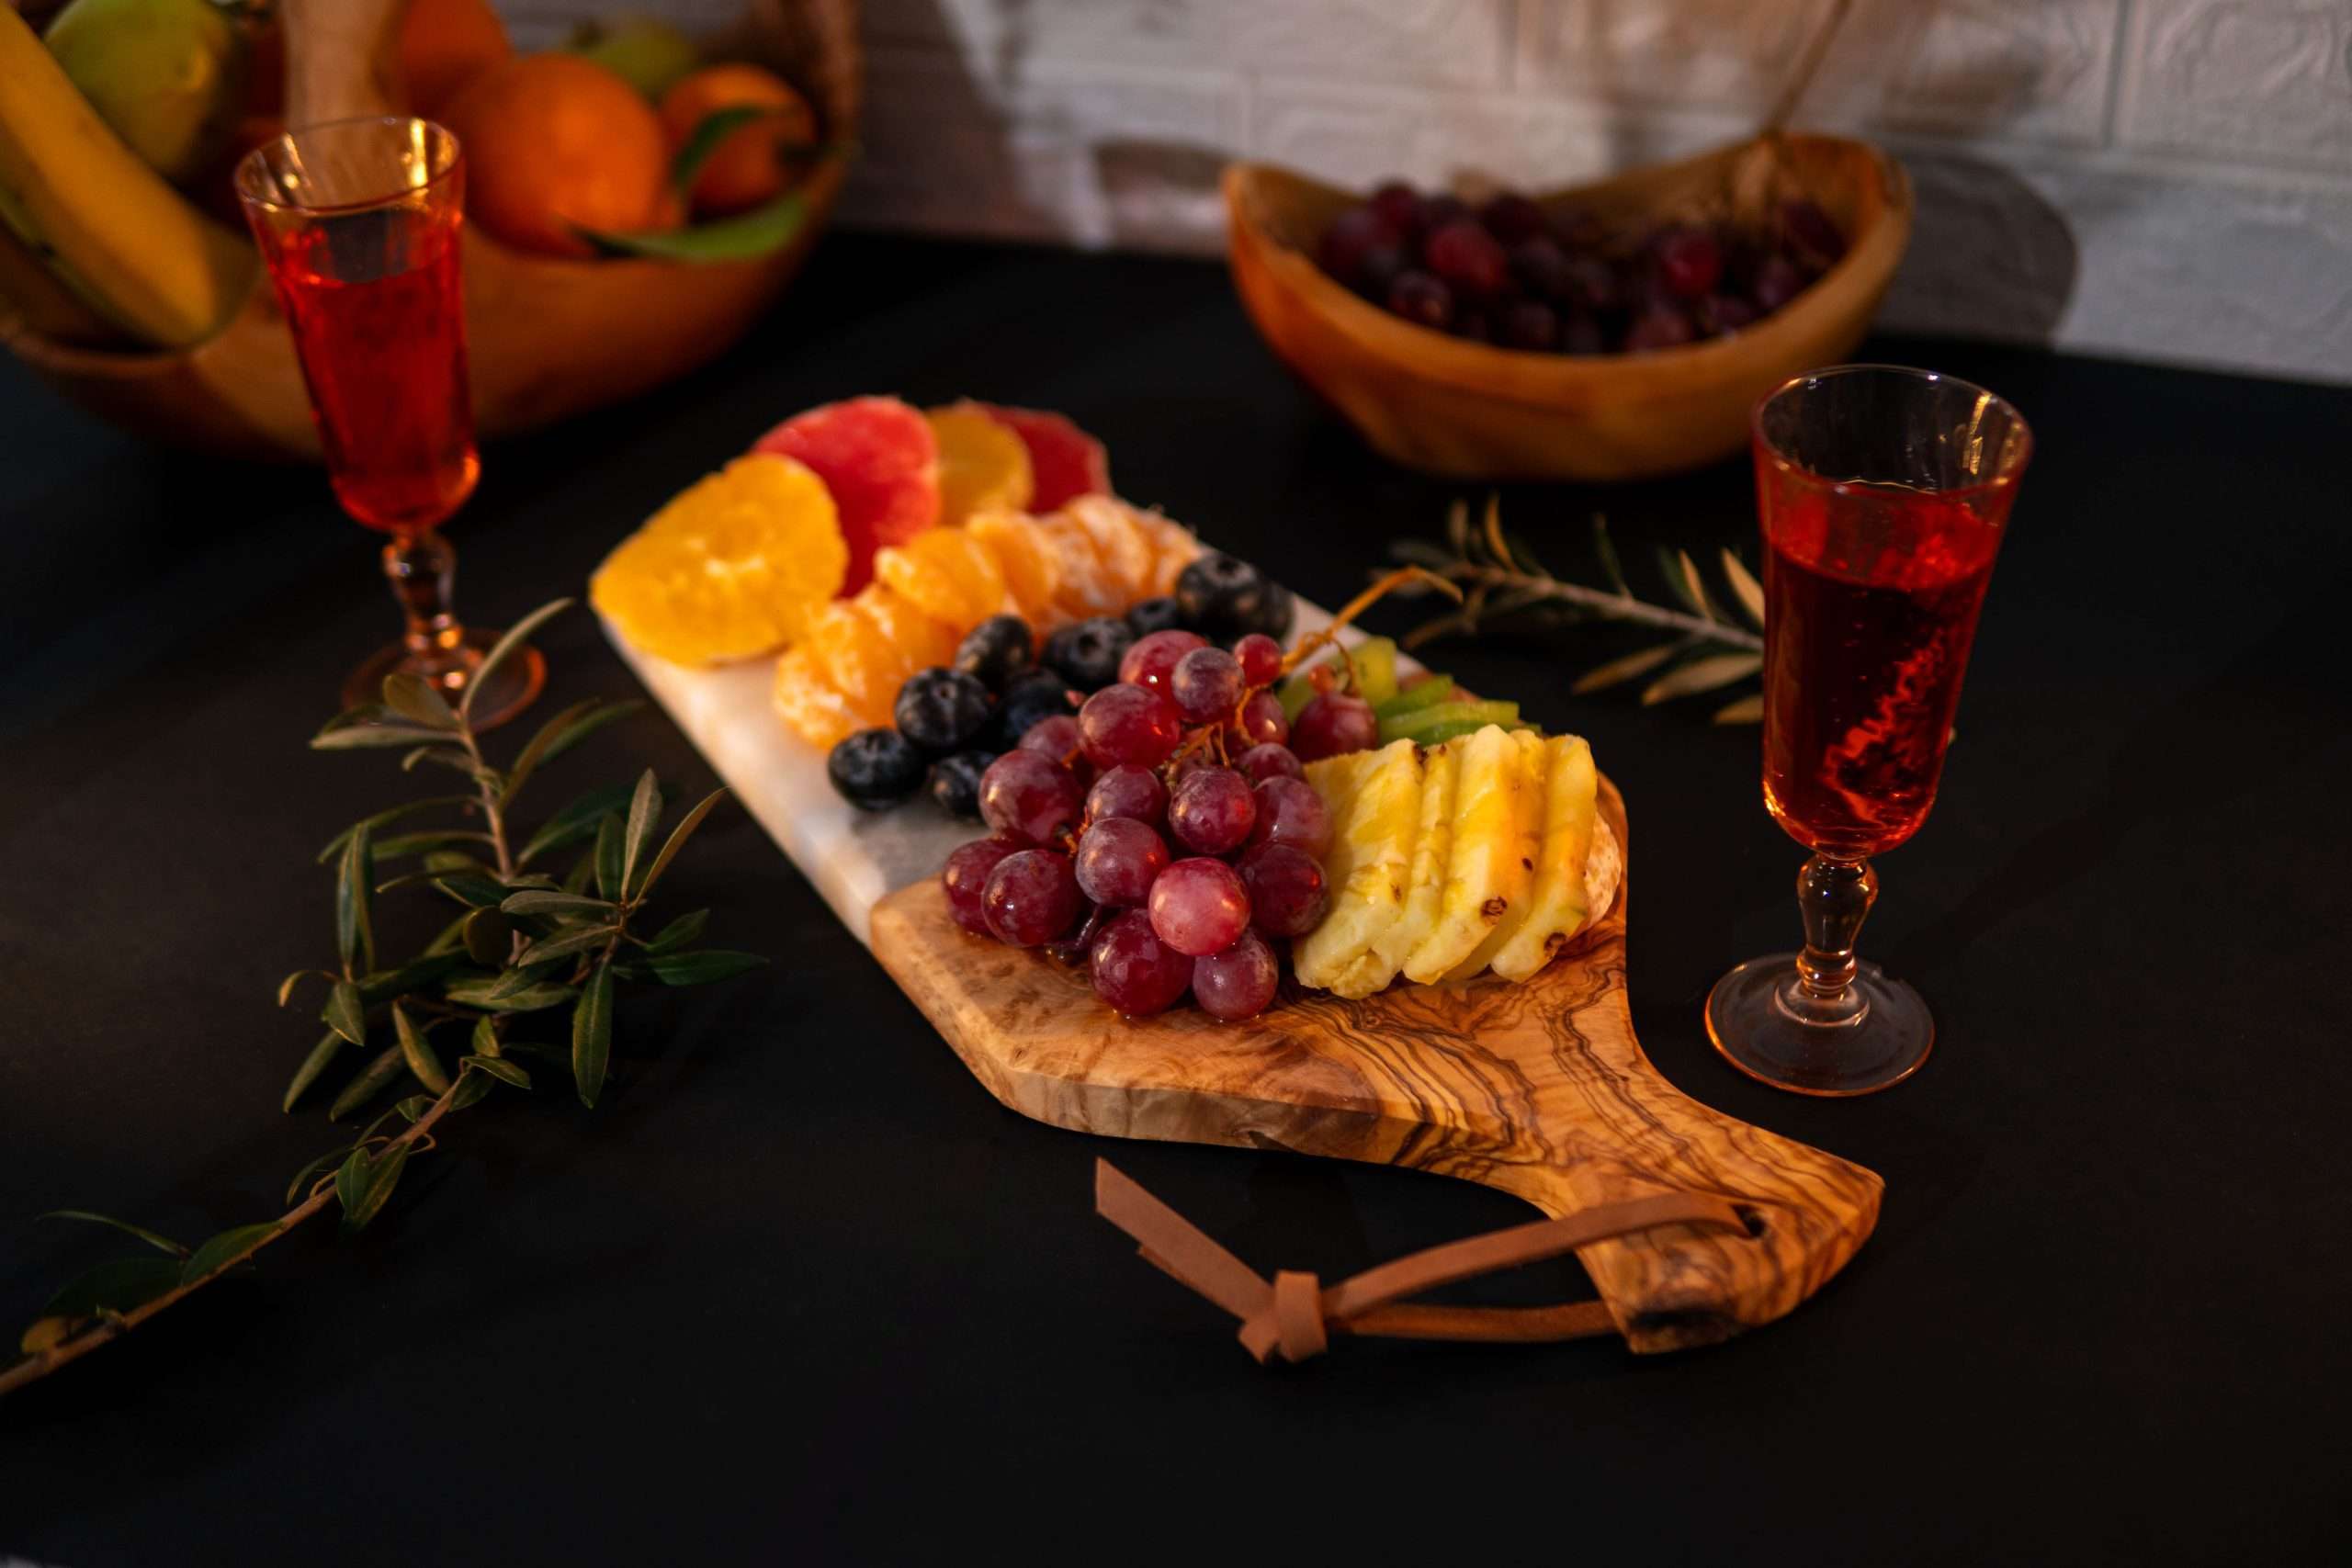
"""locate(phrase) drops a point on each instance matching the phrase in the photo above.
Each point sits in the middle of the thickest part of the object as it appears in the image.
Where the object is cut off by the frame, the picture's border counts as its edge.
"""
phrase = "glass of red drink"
(1884, 494)
(359, 222)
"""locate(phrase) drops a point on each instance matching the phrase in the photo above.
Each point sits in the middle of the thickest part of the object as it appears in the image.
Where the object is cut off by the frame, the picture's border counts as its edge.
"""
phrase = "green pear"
(168, 76)
(646, 53)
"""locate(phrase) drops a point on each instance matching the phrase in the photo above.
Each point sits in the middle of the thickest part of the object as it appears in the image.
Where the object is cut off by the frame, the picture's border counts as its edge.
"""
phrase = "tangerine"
(756, 162)
(556, 144)
(444, 44)
(983, 467)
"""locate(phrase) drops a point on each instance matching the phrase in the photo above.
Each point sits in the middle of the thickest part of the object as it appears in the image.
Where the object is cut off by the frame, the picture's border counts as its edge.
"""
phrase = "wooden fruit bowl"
(1468, 411)
(548, 337)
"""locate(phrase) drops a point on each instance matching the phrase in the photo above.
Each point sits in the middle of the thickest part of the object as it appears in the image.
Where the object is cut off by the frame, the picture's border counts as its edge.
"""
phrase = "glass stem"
(423, 571)
(1834, 898)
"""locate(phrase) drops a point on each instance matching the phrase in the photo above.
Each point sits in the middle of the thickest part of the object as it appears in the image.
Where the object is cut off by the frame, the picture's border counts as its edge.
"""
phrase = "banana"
(106, 225)
(39, 301)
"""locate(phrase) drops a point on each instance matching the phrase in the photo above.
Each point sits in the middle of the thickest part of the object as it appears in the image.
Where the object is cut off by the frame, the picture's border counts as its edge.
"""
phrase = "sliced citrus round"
(983, 465)
(1126, 551)
(730, 569)
(1029, 561)
(1064, 459)
(877, 456)
(807, 703)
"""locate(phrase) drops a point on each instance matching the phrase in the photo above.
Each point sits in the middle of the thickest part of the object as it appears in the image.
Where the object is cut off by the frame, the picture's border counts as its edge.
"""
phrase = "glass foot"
(512, 684)
(1757, 1017)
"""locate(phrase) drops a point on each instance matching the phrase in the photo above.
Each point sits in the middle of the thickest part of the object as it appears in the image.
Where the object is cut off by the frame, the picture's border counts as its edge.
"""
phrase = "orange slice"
(807, 703)
(856, 662)
(947, 574)
(983, 464)
(1029, 562)
(731, 568)
(1125, 550)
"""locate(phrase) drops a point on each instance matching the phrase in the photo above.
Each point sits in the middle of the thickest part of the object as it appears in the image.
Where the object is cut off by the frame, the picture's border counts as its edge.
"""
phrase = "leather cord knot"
(1295, 1315)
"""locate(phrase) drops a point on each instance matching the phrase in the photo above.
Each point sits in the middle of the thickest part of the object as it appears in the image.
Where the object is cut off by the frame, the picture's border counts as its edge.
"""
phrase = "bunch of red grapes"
(1166, 835)
(1511, 274)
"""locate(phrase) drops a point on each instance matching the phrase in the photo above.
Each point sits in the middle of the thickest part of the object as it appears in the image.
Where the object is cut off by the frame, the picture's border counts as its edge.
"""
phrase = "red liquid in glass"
(1873, 592)
(374, 312)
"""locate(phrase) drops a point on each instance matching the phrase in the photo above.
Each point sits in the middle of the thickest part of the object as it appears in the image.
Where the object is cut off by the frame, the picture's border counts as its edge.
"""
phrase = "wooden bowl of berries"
(1615, 331)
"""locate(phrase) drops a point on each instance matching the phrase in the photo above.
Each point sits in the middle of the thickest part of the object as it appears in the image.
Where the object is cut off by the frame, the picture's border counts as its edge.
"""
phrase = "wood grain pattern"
(1469, 411)
(1539, 1089)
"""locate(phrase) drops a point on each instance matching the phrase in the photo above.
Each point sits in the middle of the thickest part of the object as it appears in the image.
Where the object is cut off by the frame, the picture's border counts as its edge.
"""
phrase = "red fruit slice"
(878, 457)
(1066, 460)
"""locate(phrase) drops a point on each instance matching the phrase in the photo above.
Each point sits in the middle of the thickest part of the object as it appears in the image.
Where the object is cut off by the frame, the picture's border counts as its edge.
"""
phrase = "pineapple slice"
(1365, 871)
(1527, 826)
(1560, 903)
(1488, 870)
(1432, 844)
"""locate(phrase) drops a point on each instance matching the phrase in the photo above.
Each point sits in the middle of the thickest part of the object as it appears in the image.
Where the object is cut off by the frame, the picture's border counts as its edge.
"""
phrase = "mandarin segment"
(730, 569)
(1028, 561)
(983, 465)
(1083, 588)
(923, 640)
(1125, 550)
(947, 574)
(807, 703)
(1174, 547)
(856, 662)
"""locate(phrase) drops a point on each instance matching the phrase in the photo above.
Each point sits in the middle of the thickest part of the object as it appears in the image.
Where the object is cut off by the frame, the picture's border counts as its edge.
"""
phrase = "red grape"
(1150, 660)
(1129, 724)
(1421, 300)
(1205, 684)
(1661, 326)
(1398, 204)
(1378, 268)
(965, 878)
(1261, 657)
(1778, 281)
(1212, 810)
(1118, 860)
(1689, 261)
(1199, 906)
(1728, 312)
(1290, 812)
(1437, 211)
(1031, 897)
(1512, 218)
(1128, 791)
(1543, 266)
(1261, 722)
(1054, 736)
(1269, 762)
(1238, 982)
(1331, 724)
(1351, 234)
(1285, 888)
(1133, 970)
(1467, 257)
(1530, 324)
(1025, 795)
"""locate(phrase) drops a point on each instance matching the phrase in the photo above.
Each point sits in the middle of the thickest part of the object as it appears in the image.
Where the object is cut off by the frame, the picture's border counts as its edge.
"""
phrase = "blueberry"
(1221, 597)
(875, 768)
(955, 783)
(1146, 616)
(941, 710)
(996, 650)
(1275, 615)
(1087, 654)
(1032, 696)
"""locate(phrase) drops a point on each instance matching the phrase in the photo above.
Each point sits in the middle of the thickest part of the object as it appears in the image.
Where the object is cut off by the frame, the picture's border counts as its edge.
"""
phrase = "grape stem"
(1381, 588)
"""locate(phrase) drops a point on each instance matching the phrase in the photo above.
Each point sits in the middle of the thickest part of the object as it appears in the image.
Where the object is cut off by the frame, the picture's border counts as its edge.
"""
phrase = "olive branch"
(523, 944)
(1498, 575)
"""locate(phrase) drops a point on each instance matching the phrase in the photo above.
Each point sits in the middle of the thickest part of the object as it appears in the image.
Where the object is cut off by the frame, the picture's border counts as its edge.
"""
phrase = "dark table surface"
(799, 1290)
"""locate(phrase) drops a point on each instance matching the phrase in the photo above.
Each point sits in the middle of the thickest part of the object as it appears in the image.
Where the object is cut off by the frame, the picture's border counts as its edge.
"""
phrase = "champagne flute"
(1884, 494)
(359, 222)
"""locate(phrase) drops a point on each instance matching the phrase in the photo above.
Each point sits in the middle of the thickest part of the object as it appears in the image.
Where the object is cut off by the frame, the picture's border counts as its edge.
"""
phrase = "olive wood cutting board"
(1538, 1089)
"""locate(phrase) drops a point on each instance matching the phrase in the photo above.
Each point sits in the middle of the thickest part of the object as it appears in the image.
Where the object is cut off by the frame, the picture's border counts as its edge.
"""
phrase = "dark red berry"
(1689, 261)
(1778, 281)
(1661, 326)
(1512, 218)
(1467, 257)
(1351, 235)
(1398, 204)
(1421, 300)
(1530, 324)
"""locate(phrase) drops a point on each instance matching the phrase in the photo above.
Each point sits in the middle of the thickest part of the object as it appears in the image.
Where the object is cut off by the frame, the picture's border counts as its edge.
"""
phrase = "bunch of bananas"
(95, 244)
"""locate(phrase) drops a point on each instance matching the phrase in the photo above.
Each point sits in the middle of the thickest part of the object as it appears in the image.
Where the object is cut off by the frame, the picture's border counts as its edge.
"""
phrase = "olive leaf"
(345, 1014)
(570, 940)
(504, 649)
(1749, 709)
(561, 734)
(591, 1035)
(365, 1181)
(330, 1046)
(382, 819)
(387, 1067)
(417, 1050)
(697, 969)
(484, 993)
(414, 698)
(644, 817)
(538, 903)
(1702, 675)
(498, 1067)
(676, 841)
(367, 735)
(608, 857)
(679, 933)
(161, 1242)
(110, 1289)
(353, 935)
(1743, 586)
(218, 1252)
(576, 821)
(1618, 671)
(313, 1168)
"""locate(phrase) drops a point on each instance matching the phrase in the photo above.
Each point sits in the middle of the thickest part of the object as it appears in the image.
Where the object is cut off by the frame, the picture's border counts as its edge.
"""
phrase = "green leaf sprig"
(1500, 576)
(520, 943)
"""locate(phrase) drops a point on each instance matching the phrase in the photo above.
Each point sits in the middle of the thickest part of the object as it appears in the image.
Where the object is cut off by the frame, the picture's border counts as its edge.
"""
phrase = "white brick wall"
(2168, 179)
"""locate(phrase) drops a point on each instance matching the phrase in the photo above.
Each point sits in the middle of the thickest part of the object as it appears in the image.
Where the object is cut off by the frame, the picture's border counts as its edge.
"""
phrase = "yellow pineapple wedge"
(1365, 871)
(1488, 870)
(1425, 878)
(1527, 828)
(1559, 906)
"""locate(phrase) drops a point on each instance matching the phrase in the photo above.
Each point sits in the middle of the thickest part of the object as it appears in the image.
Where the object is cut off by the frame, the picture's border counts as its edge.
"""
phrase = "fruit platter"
(1164, 850)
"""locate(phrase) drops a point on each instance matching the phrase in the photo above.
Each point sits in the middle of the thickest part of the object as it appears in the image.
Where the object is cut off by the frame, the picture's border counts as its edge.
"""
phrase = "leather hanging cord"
(1295, 1315)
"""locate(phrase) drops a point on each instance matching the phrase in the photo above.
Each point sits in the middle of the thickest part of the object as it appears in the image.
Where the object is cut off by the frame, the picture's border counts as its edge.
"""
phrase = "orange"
(444, 44)
(983, 467)
(553, 144)
(755, 163)
(731, 568)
